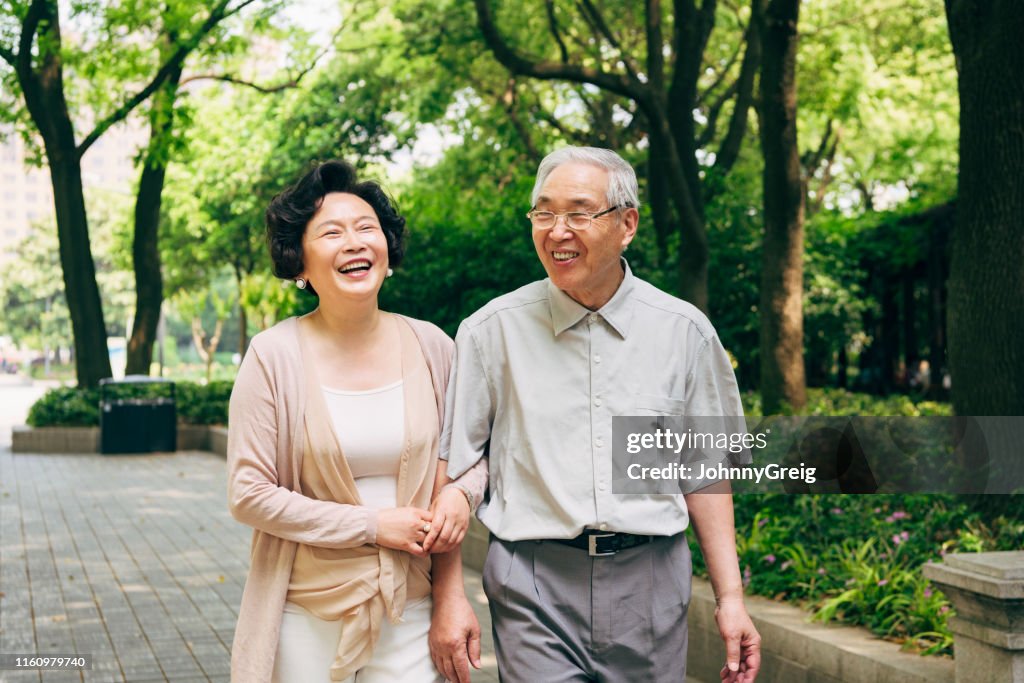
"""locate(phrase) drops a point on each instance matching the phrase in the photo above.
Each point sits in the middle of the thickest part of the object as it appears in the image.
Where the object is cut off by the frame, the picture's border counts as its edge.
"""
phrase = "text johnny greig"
(693, 442)
(722, 472)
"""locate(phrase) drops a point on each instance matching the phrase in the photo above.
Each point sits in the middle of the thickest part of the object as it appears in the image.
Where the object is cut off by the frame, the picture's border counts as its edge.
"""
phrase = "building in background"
(26, 195)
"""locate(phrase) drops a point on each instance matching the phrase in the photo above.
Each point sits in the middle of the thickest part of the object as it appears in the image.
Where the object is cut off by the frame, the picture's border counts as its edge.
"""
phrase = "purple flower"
(896, 539)
(927, 592)
(899, 514)
(877, 510)
(943, 609)
(821, 570)
(761, 522)
(746, 576)
(883, 582)
(769, 558)
(837, 511)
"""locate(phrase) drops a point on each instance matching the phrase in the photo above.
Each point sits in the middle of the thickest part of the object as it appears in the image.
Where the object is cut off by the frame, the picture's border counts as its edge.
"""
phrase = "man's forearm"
(446, 574)
(711, 513)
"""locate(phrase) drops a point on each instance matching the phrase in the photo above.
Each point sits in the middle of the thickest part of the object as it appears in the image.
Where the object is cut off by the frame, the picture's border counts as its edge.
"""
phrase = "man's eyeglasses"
(574, 220)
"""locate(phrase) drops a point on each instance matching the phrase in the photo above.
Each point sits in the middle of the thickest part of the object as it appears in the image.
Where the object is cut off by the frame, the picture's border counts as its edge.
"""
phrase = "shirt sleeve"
(713, 396)
(469, 413)
(711, 388)
(255, 496)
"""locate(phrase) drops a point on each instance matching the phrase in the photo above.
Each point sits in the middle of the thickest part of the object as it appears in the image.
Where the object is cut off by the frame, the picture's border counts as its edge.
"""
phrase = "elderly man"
(584, 584)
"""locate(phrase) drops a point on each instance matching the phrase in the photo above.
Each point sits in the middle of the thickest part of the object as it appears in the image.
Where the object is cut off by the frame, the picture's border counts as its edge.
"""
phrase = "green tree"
(654, 59)
(986, 280)
(218, 60)
(40, 61)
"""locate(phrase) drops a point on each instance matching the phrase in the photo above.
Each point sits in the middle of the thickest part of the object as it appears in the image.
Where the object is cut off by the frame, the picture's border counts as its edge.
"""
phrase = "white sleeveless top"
(370, 426)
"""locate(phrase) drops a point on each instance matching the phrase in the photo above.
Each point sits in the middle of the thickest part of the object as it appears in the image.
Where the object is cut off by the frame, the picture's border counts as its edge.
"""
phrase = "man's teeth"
(565, 255)
(354, 266)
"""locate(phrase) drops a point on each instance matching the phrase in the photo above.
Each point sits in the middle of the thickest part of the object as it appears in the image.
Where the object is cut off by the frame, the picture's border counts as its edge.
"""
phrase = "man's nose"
(560, 230)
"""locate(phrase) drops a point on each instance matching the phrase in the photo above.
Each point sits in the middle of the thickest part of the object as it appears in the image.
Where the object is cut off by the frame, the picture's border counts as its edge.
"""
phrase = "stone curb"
(24, 439)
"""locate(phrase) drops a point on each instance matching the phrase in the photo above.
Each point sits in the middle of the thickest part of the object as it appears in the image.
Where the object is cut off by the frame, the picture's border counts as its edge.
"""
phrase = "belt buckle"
(592, 546)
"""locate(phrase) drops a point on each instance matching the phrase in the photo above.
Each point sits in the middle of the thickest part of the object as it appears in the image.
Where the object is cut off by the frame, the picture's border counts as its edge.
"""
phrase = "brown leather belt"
(604, 543)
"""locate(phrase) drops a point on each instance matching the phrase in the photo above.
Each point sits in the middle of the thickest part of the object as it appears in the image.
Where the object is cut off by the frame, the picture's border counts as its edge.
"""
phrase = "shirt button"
(597, 359)
(601, 486)
(598, 442)
(603, 527)
(597, 402)
(593, 317)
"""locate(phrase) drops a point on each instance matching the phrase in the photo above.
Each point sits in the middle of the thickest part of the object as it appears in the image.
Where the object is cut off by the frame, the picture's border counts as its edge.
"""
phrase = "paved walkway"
(132, 559)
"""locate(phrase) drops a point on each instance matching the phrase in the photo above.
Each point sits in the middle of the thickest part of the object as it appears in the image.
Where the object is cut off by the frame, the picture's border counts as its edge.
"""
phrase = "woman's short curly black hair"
(290, 212)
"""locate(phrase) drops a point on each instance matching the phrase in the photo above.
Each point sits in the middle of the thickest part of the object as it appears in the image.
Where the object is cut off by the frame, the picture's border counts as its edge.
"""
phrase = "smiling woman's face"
(344, 250)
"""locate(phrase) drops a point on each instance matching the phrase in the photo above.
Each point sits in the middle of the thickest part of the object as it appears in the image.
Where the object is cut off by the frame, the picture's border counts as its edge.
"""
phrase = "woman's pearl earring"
(300, 283)
(390, 272)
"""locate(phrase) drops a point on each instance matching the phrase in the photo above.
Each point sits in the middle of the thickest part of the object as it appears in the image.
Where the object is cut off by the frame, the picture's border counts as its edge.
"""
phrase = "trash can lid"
(137, 379)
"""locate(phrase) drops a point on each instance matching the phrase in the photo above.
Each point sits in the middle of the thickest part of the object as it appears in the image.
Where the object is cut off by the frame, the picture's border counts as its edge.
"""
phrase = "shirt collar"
(618, 312)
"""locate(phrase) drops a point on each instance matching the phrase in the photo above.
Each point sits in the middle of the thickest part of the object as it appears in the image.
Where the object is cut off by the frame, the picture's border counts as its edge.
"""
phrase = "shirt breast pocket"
(653, 404)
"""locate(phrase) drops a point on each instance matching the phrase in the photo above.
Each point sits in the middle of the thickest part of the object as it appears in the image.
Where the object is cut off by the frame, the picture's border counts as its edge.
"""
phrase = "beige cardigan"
(265, 447)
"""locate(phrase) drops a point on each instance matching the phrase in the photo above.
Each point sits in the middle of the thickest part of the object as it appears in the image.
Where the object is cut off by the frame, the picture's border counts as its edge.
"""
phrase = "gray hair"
(622, 186)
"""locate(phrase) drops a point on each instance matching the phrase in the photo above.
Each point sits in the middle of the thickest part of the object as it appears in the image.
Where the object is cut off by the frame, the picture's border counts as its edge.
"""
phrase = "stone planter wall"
(55, 440)
(987, 591)
(87, 439)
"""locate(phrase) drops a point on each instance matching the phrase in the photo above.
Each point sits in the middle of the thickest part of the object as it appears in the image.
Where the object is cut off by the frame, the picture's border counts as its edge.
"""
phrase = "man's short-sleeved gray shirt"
(536, 380)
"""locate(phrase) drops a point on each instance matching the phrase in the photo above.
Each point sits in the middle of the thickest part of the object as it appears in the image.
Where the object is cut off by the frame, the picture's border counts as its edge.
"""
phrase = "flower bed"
(857, 559)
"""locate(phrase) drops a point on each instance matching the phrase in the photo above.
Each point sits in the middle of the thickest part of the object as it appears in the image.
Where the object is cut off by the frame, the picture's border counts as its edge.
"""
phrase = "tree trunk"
(145, 245)
(204, 348)
(43, 89)
(658, 192)
(890, 334)
(986, 279)
(146, 261)
(910, 352)
(783, 378)
(937, 242)
(92, 361)
(243, 333)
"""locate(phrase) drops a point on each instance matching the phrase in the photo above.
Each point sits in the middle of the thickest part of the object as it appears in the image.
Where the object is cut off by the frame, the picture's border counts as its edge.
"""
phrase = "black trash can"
(136, 416)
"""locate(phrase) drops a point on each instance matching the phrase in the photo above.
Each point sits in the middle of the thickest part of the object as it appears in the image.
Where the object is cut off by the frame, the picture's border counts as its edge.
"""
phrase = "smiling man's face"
(584, 264)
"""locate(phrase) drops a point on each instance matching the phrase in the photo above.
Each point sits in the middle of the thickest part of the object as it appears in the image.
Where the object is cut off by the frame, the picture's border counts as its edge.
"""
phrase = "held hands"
(404, 529)
(742, 642)
(451, 520)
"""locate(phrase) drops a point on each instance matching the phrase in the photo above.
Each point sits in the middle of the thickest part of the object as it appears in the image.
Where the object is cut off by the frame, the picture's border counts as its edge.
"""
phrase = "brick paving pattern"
(132, 559)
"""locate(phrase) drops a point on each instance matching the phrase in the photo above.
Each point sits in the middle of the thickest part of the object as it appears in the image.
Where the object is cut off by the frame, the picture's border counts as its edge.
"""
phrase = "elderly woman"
(333, 454)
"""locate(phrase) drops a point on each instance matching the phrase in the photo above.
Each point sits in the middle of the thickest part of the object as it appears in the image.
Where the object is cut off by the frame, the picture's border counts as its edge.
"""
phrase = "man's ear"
(630, 221)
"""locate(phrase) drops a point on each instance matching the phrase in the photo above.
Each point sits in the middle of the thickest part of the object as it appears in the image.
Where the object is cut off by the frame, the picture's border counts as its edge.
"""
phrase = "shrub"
(75, 407)
(204, 405)
(66, 407)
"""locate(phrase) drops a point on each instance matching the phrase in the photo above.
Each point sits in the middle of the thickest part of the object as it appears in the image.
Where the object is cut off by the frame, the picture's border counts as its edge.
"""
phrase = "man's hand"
(454, 638)
(742, 642)
(450, 512)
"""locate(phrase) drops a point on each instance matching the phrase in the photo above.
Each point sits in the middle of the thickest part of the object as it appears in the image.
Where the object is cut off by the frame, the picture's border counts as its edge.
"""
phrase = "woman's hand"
(451, 520)
(404, 529)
